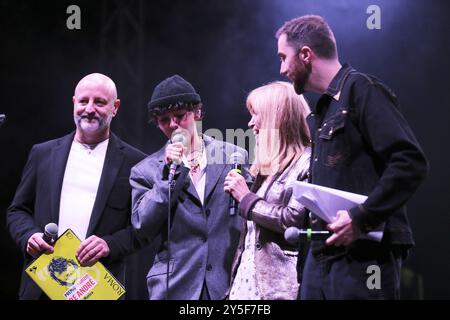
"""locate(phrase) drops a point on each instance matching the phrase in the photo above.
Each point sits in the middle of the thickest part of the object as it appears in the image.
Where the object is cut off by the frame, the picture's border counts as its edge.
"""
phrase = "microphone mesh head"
(179, 137)
(291, 235)
(51, 229)
(237, 157)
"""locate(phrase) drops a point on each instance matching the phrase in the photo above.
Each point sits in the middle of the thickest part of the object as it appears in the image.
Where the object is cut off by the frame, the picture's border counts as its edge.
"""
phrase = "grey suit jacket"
(203, 238)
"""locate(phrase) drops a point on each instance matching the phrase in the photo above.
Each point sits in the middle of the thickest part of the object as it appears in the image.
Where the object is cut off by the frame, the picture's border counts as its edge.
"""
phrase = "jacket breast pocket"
(334, 143)
(334, 124)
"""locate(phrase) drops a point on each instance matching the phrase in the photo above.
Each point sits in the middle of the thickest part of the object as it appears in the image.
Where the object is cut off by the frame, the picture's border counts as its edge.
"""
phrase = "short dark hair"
(160, 110)
(311, 31)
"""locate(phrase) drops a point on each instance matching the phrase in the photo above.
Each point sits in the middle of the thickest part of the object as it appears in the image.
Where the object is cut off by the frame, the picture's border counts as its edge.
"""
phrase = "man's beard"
(92, 124)
(301, 76)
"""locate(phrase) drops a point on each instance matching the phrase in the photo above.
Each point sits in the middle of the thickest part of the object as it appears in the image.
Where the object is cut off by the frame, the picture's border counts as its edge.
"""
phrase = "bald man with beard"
(79, 181)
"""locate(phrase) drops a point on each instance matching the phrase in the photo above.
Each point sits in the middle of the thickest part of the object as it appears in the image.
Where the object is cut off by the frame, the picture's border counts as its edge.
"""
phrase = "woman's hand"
(236, 185)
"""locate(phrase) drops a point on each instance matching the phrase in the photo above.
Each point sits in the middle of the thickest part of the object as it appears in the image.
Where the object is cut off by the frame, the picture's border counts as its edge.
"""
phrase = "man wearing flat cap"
(203, 235)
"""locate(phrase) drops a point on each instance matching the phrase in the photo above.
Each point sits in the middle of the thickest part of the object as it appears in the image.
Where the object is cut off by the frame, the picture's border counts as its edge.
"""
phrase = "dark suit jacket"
(203, 238)
(37, 200)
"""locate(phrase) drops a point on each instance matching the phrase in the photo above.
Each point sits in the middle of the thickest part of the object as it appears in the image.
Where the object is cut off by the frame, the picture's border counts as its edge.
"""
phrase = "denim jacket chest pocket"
(333, 124)
(334, 143)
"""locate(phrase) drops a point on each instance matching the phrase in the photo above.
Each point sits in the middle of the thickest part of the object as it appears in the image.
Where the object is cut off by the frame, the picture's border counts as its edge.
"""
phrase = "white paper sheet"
(326, 202)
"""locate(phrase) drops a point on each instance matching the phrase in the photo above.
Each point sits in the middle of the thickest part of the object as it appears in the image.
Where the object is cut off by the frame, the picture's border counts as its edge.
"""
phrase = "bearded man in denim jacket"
(361, 143)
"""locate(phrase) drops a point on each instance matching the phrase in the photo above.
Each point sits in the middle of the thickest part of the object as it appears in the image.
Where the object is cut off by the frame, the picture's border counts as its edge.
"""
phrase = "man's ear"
(116, 107)
(305, 54)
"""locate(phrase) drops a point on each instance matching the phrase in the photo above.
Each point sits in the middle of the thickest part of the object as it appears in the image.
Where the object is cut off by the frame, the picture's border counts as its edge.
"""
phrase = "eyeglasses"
(178, 117)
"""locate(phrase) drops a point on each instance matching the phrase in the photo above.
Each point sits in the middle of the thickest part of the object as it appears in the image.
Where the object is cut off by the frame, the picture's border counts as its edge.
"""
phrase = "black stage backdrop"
(225, 49)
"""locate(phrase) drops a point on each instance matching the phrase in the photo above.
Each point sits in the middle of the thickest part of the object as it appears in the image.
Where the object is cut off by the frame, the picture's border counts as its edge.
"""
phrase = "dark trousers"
(365, 272)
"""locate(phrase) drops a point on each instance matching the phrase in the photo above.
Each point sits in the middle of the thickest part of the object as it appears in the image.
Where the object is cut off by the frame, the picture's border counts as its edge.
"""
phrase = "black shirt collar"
(335, 87)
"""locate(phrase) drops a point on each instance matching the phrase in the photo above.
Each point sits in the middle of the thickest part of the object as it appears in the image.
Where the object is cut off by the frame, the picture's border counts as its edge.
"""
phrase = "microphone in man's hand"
(293, 235)
(50, 232)
(177, 137)
(237, 160)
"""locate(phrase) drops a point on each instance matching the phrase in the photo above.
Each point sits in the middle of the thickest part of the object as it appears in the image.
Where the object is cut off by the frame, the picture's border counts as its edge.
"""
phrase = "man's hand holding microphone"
(174, 151)
(42, 242)
(88, 253)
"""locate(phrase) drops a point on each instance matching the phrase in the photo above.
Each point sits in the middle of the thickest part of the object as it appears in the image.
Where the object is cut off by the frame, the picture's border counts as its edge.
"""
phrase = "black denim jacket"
(362, 144)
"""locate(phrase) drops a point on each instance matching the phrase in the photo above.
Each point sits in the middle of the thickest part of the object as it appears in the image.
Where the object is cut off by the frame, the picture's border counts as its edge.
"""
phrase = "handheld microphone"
(50, 232)
(2, 119)
(177, 137)
(237, 160)
(293, 235)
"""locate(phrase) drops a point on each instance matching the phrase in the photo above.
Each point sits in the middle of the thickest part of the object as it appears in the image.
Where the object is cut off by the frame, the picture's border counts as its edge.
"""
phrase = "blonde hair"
(283, 132)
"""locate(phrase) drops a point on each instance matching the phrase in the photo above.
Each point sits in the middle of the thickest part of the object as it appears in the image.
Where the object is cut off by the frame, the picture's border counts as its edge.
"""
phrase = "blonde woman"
(264, 266)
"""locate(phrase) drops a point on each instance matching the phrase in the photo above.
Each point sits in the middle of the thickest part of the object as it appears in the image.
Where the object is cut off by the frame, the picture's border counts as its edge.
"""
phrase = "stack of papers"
(326, 202)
